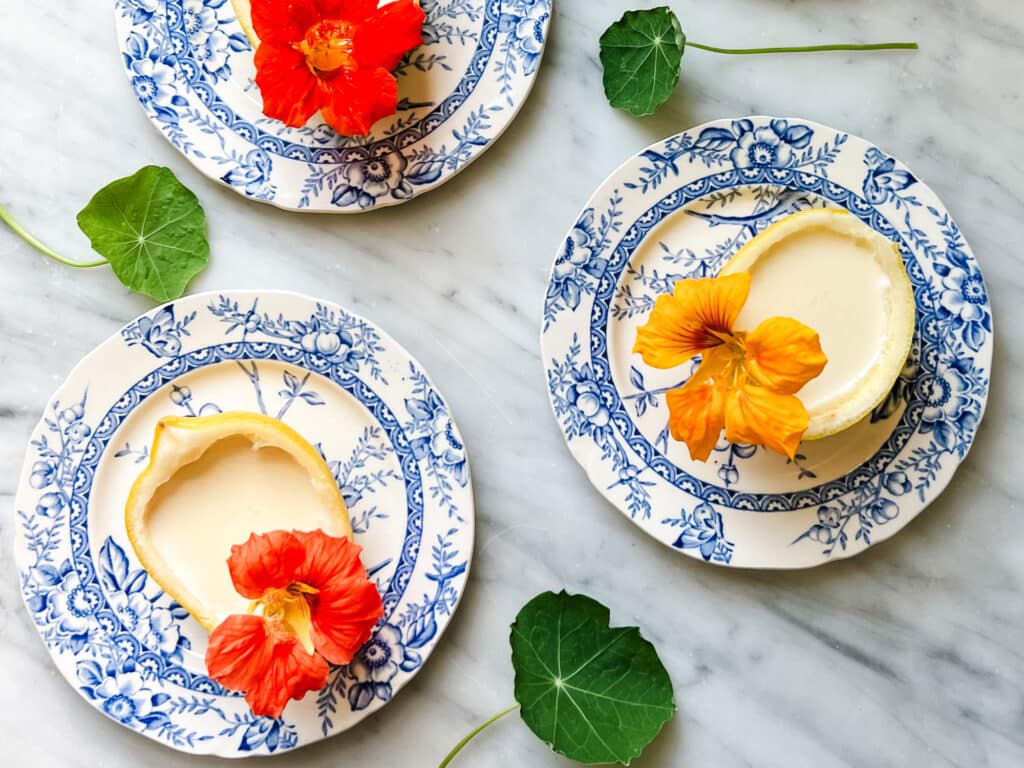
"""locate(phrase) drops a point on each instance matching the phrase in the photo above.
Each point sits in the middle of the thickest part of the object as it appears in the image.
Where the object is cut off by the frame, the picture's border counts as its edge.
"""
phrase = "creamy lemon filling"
(213, 481)
(233, 489)
(836, 275)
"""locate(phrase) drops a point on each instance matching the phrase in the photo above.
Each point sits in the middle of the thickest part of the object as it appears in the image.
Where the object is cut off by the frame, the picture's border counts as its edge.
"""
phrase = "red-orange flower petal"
(284, 22)
(783, 354)
(758, 416)
(290, 91)
(349, 10)
(385, 38)
(328, 559)
(354, 100)
(694, 319)
(246, 654)
(347, 606)
(343, 617)
(267, 561)
(696, 416)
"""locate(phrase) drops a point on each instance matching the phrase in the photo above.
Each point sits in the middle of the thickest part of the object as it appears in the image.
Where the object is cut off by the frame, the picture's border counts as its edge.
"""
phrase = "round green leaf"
(594, 693)
(151, 229)
(641, 54)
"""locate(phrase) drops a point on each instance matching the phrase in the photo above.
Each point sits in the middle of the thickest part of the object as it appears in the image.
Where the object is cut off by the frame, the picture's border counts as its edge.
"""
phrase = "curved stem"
(17, 229)
(807, 48)
(469, 736)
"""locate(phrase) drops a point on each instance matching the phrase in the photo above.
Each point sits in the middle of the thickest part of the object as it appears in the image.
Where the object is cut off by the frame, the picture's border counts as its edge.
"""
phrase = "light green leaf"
(151, 229)
(641, 54)
(594, 693)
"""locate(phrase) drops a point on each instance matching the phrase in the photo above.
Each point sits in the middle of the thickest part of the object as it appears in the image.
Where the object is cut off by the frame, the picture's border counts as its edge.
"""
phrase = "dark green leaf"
(641, 54)
(151, 229)
(594, 693)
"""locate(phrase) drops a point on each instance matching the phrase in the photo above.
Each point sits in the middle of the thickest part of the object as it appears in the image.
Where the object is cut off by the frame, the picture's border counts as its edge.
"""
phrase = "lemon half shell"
(830, 271)
(210, 483)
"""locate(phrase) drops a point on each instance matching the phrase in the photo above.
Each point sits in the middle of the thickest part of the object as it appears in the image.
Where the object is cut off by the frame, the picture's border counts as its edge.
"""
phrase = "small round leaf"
(641, 54)
(152, 230)
(592, 692)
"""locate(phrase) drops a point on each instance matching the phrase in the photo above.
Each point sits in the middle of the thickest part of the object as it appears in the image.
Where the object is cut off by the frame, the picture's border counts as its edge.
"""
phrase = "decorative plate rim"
(261, 736)
(252, 173)
(702, 535)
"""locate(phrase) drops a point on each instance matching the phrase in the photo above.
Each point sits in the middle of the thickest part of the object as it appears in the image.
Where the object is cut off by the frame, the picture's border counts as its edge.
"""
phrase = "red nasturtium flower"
(335, 56)
(312, 603)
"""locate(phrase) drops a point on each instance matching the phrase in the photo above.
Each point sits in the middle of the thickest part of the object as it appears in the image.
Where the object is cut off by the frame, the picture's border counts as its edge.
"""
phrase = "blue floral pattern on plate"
(682, 208)
(191, 68)
(400, 463)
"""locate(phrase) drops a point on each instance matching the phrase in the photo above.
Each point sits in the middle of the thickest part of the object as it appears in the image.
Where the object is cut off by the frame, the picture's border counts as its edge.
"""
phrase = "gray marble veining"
(912, 654)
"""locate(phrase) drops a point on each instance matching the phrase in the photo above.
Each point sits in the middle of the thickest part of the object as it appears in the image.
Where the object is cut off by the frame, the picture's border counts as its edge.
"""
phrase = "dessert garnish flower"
(312, 603)
(746, 382)
(335, 56)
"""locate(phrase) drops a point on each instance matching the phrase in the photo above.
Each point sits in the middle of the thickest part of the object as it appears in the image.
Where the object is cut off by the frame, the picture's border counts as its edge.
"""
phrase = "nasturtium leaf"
(592, 692)
(641, 54)
(152, 230)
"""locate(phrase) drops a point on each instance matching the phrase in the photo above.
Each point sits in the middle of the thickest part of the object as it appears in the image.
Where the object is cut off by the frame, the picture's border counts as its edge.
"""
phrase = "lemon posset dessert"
(833, 273)
(213, 480)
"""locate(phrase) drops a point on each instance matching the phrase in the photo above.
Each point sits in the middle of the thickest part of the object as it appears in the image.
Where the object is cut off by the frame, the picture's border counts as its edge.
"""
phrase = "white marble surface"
(909, 655)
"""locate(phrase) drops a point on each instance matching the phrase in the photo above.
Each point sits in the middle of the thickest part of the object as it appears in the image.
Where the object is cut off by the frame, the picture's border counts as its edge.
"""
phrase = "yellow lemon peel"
(174, 557)
(867, 343)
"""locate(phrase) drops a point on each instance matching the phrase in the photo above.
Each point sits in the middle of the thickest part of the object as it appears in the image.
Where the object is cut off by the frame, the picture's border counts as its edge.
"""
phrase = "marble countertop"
(908, 655)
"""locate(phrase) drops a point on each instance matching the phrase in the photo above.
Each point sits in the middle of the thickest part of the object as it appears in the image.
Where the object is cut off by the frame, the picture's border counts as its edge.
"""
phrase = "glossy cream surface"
(833, 283)
(232, 490)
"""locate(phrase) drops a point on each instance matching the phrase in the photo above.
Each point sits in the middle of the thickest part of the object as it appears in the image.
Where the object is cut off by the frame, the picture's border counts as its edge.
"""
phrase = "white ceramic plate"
(191, 68)
(340, 381)
(681, 208)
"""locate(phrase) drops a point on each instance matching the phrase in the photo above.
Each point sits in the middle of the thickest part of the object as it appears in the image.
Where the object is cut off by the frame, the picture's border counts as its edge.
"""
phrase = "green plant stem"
(17, 229)
(807, 48)
(469, 736)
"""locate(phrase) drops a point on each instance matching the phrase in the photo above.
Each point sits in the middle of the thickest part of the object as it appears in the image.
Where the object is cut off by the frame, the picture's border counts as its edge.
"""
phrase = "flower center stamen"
(328, 47)
(287, 612)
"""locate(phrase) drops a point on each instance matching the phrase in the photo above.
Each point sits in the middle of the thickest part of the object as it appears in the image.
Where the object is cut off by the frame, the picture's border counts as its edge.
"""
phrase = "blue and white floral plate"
(680, 209)
(387, 435)
(191, 67)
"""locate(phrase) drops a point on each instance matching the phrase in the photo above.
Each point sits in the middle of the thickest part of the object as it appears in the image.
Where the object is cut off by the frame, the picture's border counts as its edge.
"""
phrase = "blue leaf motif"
(136, 583)
(113, 564)
(974, 336)
(238, 42)
(89, 672)
(37, 603)
(636, 378)
(47, 575)
(412, 661)
(423, 631)
(799, 136)
(418, 409)
(425, 171)
(155, 720)
(360, 696)
(715, 138)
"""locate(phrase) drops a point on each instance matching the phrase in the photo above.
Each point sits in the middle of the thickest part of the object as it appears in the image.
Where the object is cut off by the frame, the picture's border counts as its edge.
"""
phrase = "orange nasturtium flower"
(745, 382)
(335, 56)
(312, 603)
